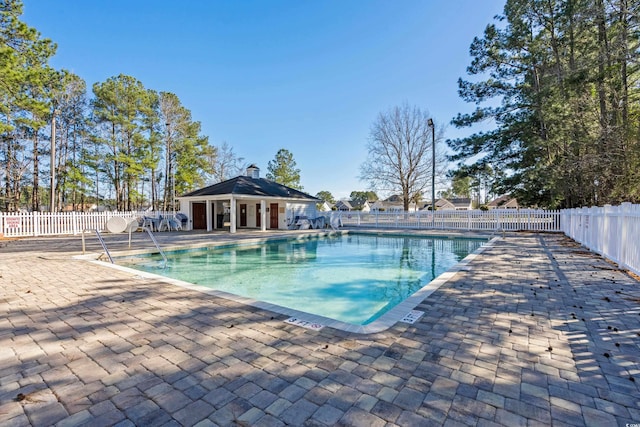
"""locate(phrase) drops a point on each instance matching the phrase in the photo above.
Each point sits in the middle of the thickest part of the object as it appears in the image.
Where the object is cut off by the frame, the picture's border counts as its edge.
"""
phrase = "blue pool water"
(353, 278)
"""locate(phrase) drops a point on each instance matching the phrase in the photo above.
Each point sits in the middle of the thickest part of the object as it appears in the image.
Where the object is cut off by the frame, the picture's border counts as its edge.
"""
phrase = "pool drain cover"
(412, 316)
(304, 323)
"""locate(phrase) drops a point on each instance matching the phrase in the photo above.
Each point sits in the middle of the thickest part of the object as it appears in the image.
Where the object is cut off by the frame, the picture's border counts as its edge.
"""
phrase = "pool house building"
(246, 201)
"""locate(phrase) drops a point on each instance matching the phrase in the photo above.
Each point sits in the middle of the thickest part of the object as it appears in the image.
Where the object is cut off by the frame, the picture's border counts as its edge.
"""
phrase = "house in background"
(504, 202)
(440, 205)
(87, 207)
(392, 204)
(324, 206)
(366, 206)
(458, 204)
(344, 205)
(350, 205)
(246, 201)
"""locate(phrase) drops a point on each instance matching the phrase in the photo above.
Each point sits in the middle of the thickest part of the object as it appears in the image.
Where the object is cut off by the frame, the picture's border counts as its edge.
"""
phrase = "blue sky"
(308, 76)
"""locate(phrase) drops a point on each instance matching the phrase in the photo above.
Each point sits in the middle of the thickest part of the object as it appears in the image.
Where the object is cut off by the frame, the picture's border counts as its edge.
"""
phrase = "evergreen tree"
(326, 196)
(359, 197)
(283, 170)
(122, 143)
(72, 131)
(562, 71)
(123, 110)
(25, 78)
(187, 153)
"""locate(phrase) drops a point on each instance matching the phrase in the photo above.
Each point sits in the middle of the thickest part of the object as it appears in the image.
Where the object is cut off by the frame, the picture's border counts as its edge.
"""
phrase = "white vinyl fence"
(28, 224)
(32, 224)
(611, 231)
(498, 219)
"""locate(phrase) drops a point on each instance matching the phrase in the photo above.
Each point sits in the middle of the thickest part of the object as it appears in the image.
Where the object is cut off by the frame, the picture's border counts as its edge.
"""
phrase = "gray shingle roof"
(247, 186)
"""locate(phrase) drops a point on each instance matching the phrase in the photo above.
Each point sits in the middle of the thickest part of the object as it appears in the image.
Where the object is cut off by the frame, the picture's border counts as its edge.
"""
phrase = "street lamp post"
(433, 169)
(169, 179)
(53, 163)
(173, 183)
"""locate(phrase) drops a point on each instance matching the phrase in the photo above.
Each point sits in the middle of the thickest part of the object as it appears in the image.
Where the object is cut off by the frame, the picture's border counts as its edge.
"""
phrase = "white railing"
(611, 231)
(498, 219)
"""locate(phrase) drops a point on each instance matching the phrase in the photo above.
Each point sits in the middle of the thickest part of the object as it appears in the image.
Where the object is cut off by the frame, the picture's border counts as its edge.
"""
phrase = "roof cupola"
(253, 171)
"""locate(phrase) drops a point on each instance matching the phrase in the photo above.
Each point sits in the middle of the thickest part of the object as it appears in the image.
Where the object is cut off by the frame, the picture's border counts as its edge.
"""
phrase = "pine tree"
(124, 112)
(186, 152)
(25, 79)
(283, 170)
(561, 72)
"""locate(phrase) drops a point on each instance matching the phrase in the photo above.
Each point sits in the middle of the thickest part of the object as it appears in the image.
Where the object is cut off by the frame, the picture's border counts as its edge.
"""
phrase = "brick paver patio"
(536, 331)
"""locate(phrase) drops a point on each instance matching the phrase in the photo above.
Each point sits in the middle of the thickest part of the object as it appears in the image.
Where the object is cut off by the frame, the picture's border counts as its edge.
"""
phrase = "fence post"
(36, 223)
(625, 211)
(74, 220)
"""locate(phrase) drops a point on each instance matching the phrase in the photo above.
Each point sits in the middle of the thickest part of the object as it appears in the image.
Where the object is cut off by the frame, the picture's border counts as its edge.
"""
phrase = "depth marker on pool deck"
(304, 323)
(412, 316)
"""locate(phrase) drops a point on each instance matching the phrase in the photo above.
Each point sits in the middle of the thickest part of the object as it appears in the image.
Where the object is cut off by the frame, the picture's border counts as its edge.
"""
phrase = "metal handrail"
(104, 245)
(155, 242)
(102, 242)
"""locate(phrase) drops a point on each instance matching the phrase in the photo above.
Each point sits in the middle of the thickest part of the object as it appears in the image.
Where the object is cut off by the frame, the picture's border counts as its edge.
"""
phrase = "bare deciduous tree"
(226, 164)
(400, 153)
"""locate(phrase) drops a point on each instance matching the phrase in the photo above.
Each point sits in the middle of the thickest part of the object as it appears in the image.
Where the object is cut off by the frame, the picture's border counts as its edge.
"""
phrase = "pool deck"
(535, 330)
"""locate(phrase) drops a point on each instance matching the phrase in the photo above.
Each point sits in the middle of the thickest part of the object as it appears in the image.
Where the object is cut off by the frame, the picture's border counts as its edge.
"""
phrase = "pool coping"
(384, 322)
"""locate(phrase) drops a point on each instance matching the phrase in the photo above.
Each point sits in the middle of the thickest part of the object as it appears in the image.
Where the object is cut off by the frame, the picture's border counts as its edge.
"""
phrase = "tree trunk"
(603, 51)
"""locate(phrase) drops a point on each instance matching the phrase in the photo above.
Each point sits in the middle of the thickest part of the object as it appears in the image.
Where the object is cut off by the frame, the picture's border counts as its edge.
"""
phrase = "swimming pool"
(352, 278)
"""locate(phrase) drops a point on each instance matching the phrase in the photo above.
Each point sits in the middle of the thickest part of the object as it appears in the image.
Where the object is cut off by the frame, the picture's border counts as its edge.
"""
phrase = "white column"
(214, 213)
(232, 208)
(263, 215)
(208, 212)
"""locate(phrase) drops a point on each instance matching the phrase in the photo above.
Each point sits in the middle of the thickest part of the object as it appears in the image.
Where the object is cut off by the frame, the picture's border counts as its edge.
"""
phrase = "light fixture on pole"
(433, 168)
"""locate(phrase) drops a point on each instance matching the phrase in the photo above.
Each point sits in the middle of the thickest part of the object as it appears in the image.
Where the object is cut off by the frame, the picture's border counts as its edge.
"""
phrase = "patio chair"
(335, 222)
(164, 224)
(149, 223)
(174, 224)
(182, 219)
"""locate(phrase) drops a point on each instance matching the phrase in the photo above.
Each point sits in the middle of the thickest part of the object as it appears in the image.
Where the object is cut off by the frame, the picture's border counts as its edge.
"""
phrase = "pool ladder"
(106, 250)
